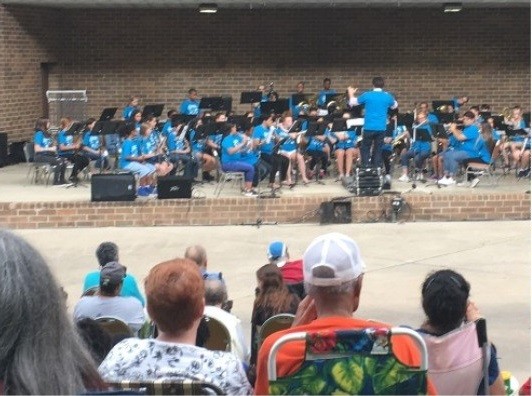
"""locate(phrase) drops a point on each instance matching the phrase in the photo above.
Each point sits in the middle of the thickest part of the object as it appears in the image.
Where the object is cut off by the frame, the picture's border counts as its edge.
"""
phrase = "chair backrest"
(112, 141)
(29, 151)
(91, 291)
(455, 361)
(274, 324)
(169, 387)
(219, 338)
(350, 362)
(114, 326)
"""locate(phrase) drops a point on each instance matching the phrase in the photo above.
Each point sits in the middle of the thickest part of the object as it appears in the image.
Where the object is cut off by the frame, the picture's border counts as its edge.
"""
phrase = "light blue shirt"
(129, 287)
(189, 107)
(377, 103)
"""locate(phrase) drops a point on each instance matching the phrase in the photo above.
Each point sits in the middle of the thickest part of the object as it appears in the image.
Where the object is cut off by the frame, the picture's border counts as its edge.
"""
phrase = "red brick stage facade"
(242, 210)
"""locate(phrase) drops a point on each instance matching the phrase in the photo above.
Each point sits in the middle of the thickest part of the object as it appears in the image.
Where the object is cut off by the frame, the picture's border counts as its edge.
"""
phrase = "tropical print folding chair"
(350, 362)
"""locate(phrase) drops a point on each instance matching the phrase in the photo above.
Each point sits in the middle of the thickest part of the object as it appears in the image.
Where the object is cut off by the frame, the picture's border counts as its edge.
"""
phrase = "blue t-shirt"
(250, 156)
(42, 140)
(128, 111)
(377, 103)
(197, 145)
(289, 144)
(130, 148)
(91, 141)
(419, 146)
(348, 143)
(229, 142)
(432, 118)
(262, 133)
(129, 287)
(474, 145)
(189, 107)
(148, 144)
(322, 96)
(315, 144)
(66, 140)
(517, 137)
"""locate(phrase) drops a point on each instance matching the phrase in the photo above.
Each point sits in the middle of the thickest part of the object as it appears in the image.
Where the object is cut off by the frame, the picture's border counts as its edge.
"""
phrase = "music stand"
(250, 97)
(298, 98)
(277, 107)
(211, 103)
(438, 131)
(152, 110)
(316, 129)
(485, 115)
(406, 119)
(498, 122)
(74, 128)
(339, 125)
(227, 104)
(108, 113)
(526, 118)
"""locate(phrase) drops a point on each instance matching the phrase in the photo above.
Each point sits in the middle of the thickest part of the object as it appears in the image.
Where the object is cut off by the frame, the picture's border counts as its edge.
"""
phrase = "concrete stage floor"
(15, 187)
(493, 256)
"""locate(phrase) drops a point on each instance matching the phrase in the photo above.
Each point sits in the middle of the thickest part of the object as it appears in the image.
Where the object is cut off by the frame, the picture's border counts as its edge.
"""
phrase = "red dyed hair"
(175, 292)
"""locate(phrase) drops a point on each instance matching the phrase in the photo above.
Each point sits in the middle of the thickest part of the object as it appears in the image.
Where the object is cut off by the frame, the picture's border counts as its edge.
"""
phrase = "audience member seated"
(40, 353)
(273, 297)
(292, 271)
(96, 339)
(455, 359)
(105, 253)
(108, 303)
(175, 295)
(333, 271)
(198, 254)
(215, 300)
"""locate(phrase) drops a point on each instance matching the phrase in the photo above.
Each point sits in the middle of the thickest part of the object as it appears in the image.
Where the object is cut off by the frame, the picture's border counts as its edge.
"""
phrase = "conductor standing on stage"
(376, 102)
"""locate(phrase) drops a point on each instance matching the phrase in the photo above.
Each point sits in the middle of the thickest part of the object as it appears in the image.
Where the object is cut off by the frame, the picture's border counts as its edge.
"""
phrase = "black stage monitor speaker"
(171, 187)
(3, 149)
(335, 212)
(113, 187)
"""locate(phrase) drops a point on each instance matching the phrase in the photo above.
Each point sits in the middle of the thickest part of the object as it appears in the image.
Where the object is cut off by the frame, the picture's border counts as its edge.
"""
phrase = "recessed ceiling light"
(208, 8)
(452, 7)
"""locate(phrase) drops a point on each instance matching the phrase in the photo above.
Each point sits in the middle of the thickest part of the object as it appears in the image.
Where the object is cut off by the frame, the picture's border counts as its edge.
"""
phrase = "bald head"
(197, 254)
(215, 292)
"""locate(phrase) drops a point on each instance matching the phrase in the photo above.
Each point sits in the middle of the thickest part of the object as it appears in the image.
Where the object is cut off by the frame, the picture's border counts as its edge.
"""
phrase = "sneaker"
(475, 182)
(388, 178)
(446, 181)
(521, 173)
(404, 179)
(249, 193)
(153, 191)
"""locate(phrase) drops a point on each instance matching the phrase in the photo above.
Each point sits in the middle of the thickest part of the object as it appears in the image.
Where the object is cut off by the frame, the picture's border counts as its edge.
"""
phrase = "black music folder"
(108, 113)
(152, 110)
(277, 107)
(250, 97)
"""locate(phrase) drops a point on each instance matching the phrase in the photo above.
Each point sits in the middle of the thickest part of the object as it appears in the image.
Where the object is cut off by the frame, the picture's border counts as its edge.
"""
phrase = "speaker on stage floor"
(335, 212)
(113, 187)
(3, 149)
(172, 187)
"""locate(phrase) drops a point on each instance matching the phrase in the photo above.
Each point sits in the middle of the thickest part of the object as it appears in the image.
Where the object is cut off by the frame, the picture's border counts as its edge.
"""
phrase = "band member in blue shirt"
(232, 147)
(130, 108)
(264, 137)
(419, 149)
(93, 148)
(471, 146)
(46, 151)
(322, 95)
(345, 151)
(190, 106)
(132, 159)
(70, 149)
(376, 102)
(179, 151)
(290, 147)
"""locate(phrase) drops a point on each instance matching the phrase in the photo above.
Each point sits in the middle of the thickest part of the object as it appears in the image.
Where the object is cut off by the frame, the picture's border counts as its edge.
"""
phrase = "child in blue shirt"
(93, 148)
(190, 106)
(46, 152)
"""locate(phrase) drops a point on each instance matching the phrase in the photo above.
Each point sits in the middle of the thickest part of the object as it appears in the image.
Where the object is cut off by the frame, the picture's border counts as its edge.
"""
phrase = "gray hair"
(198, 254)
(343, 288)
(215, 292)
(40, 352)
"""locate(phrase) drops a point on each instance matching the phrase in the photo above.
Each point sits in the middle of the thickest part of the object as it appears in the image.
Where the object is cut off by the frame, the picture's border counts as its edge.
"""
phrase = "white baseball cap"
(332, 259)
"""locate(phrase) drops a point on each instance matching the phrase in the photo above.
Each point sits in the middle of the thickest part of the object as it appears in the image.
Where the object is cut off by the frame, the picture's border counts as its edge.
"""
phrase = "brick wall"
(234, 211)
(158, 54)
(28, 37)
